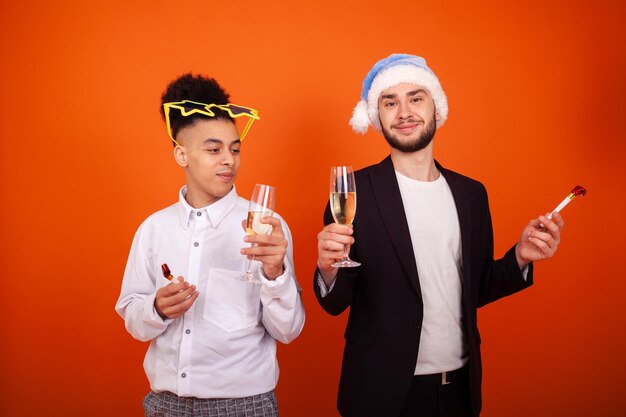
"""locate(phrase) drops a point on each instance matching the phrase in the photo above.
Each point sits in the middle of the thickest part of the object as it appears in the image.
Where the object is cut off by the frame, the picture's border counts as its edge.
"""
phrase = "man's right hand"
(330, 247)
(174, 299)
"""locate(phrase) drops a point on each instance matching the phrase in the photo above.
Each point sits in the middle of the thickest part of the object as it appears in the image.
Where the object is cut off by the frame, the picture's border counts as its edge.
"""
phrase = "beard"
(422, 141)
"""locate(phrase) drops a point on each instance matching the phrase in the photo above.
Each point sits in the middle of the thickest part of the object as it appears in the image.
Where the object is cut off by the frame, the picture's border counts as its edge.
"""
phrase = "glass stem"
(248, 272)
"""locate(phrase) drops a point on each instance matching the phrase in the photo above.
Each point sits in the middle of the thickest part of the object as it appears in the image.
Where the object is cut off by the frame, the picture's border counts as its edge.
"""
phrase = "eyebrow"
(220, 142)
(410, 94)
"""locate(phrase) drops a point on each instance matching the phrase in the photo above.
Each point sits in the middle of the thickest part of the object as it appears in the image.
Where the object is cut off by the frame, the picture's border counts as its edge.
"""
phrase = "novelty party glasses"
(188, 108)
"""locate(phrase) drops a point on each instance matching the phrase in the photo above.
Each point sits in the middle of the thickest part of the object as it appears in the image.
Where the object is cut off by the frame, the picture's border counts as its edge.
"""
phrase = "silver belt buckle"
(444, 378)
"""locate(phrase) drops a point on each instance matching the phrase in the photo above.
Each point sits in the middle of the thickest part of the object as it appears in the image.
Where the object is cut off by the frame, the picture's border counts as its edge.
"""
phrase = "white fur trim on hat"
(360, 120)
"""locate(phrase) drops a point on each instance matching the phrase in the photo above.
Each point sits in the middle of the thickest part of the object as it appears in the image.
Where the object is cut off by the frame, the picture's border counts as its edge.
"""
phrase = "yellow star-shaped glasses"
(188, 107)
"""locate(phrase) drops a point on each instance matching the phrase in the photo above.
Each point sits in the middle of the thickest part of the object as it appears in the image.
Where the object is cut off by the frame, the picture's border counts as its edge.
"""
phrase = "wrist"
(158, 311)
(521, 261)
(273, 272)
(327, 274)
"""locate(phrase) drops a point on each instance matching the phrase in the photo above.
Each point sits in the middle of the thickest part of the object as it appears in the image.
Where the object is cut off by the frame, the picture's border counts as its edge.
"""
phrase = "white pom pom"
(359, 120)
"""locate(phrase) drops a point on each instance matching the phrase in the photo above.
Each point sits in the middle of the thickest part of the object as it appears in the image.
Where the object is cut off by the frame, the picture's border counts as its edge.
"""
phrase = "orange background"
(536, 95)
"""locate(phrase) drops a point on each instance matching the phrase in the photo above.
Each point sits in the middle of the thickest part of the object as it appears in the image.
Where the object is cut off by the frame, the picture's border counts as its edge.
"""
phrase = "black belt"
(443, 378)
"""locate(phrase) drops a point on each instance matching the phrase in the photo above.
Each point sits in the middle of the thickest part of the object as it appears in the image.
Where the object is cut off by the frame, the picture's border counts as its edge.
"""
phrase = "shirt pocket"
(231, 304)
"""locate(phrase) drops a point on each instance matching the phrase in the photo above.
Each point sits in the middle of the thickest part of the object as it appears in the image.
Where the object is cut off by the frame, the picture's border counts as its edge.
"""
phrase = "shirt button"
(196, 244)
(184, 375)
(187, 331)
(199, 214)
(417, 325)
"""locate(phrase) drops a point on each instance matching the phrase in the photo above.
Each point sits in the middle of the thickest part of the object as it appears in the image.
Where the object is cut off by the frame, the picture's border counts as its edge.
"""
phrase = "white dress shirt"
(224, 346)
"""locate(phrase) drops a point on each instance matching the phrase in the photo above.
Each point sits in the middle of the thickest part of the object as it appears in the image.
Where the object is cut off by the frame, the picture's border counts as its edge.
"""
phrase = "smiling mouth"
(226, 176)
(406, 127)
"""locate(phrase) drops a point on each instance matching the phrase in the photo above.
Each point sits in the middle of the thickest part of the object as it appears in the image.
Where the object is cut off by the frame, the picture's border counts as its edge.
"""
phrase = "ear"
(437, 116)
(180, 155)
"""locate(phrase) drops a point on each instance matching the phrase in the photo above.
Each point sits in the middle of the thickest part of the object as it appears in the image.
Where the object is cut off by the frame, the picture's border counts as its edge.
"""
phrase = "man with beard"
(424, 238)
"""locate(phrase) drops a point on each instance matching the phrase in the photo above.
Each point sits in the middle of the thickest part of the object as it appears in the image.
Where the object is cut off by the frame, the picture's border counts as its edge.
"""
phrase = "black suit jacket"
(384, 325)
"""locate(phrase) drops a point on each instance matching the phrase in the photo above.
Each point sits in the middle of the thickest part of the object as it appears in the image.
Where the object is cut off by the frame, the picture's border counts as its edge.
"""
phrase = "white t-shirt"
(436, 238)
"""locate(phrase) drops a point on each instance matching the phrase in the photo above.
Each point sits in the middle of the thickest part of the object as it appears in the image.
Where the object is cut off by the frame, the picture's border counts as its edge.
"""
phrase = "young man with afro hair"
(212, 335)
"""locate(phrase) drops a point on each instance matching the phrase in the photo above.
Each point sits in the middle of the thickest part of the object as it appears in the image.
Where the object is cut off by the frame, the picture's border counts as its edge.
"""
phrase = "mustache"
(407, 120)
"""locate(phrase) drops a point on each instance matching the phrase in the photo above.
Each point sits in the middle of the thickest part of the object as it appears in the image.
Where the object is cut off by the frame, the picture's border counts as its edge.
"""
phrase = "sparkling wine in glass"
(262, 204)
(343, 205)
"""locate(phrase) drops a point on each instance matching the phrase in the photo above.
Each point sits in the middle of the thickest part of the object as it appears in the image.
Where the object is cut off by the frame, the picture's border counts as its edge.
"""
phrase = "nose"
(228, 159)
(404, 110)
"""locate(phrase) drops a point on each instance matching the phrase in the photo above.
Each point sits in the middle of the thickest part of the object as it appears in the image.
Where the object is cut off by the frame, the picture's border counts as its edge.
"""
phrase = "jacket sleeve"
(502, 277)
(340, 298)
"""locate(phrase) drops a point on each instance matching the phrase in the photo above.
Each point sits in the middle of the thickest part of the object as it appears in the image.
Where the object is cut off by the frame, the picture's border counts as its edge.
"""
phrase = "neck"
(419, 166)
(198, 199)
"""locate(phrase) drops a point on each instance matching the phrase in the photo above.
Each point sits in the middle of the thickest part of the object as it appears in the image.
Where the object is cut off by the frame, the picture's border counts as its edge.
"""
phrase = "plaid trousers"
(166, 404)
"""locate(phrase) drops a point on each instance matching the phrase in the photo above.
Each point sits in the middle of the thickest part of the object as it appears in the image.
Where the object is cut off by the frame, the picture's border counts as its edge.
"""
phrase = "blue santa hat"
(388, 72)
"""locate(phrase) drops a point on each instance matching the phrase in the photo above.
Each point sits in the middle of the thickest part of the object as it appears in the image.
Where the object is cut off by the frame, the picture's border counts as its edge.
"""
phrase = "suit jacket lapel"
(389, 201)
(463, 209)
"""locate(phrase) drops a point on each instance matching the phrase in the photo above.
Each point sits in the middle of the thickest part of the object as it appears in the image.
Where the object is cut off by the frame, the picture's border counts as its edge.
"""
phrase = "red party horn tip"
(166, 272)
(579, 191)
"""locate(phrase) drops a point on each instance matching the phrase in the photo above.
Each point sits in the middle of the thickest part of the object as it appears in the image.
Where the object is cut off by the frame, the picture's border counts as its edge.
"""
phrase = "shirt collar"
(215, 212)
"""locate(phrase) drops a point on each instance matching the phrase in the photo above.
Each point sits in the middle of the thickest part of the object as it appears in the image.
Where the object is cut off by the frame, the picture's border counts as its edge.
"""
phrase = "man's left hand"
(268, 249)
(539, 242)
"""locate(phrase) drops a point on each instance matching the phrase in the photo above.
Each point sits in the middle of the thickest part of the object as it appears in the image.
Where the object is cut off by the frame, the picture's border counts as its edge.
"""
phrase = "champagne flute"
(343, 205)
(261, 205)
